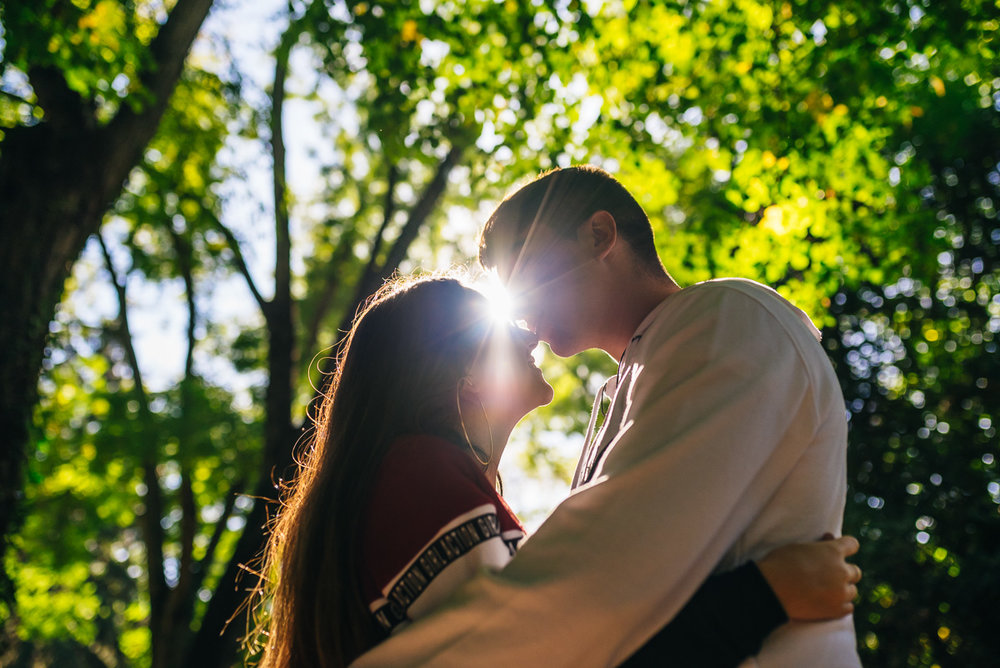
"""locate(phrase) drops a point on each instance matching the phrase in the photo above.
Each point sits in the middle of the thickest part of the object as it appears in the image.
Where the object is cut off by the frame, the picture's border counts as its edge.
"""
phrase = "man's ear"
(599, 234)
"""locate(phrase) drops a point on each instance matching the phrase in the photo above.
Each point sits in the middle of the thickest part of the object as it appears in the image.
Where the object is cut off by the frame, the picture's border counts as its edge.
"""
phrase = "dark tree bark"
(57, 179)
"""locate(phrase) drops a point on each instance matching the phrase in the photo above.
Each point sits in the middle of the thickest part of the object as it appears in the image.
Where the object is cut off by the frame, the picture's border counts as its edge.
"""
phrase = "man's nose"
(521, 315)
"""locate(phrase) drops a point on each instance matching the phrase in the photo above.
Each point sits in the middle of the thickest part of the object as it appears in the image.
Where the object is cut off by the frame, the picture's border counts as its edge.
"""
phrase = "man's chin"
(560, 342)
(564, 348)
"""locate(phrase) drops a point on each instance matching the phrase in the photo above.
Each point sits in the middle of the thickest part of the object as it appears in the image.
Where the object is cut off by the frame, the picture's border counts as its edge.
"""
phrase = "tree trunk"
(229, 616)
(48, 211)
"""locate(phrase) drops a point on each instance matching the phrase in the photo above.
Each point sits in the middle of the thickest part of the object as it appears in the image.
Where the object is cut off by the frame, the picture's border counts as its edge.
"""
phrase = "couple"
(686, 540)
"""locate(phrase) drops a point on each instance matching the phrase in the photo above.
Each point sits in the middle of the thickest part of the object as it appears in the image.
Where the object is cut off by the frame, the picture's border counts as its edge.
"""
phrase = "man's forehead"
(511, 254)
(514, 251)
(527, 254)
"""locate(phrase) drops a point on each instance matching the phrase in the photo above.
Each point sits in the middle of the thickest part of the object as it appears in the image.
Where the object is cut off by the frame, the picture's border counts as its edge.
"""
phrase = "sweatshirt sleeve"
(717, 414)
(433, 522)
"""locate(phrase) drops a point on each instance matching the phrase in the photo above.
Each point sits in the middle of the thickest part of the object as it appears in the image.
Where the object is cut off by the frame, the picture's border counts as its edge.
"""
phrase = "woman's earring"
(489, 428)
(465, 432)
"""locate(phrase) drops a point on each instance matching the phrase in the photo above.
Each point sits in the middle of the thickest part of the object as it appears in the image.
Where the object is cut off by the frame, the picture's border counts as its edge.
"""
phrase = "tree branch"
(388, 209)
(420, 212)
(370, 276)
(153, 532)
(418, 216)
(133, 129)
(185, 263)
(330, 286)
(280, 323)
(204, 565)
(283, 243)
(17, 98)
(181, 594)
(189, 526)
(241, 265)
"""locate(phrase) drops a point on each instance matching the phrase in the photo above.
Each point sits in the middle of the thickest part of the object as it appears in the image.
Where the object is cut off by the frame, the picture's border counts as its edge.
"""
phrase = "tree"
(918, 360)
(61, 166)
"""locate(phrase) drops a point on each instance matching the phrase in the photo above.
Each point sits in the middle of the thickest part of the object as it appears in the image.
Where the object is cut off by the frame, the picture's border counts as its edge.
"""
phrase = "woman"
(394, 505)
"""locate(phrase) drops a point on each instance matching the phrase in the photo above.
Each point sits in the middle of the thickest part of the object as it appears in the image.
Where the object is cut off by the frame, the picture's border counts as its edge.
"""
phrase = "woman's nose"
(528, 338)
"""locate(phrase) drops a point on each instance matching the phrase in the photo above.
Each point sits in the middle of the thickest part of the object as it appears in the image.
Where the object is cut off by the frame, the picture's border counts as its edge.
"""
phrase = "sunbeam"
(500, 302)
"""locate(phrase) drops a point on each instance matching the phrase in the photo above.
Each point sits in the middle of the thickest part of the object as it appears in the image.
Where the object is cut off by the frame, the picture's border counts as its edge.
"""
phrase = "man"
(724, 438)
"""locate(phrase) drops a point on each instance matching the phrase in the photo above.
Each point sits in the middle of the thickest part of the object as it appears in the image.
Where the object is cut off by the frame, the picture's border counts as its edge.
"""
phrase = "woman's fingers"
(852, 593)
(814, 580)
(848, 545)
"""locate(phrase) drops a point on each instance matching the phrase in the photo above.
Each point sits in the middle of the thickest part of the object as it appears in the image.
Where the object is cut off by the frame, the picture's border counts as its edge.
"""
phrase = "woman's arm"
(729, 616)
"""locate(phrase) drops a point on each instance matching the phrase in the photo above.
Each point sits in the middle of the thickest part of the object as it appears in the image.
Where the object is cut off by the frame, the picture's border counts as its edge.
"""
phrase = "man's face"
(548, 279)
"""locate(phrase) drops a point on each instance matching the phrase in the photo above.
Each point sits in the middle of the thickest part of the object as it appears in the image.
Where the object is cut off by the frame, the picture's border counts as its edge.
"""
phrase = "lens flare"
(501, 306)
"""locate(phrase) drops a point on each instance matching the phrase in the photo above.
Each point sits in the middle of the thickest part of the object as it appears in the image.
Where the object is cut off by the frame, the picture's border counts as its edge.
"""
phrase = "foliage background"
(844, 152)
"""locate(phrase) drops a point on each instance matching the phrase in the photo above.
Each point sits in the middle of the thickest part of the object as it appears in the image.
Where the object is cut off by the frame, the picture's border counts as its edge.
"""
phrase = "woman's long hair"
(397, 373)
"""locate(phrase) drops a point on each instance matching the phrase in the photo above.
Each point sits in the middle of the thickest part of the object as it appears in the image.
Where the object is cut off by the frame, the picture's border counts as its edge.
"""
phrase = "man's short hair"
(561, 200)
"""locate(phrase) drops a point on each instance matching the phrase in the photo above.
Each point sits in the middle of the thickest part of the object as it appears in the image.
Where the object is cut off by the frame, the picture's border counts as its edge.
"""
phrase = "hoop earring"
(465, 432)
(489, 427)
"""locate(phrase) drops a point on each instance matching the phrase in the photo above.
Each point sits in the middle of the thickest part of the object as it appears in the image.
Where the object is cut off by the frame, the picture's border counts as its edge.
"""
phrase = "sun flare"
(501, 306)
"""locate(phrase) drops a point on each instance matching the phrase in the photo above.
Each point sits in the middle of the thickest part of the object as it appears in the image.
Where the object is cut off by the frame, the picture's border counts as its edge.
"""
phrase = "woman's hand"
(813, 581)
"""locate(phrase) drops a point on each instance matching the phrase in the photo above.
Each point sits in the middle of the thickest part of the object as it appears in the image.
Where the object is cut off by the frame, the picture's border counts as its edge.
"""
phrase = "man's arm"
(718, 416)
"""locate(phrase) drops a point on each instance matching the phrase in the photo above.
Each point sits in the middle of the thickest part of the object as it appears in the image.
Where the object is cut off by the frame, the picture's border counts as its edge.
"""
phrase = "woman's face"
(505, 376)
